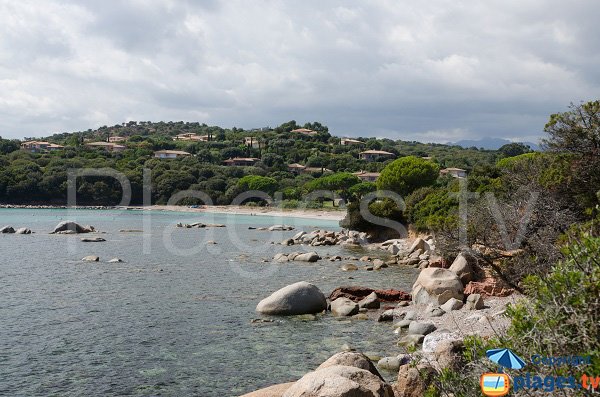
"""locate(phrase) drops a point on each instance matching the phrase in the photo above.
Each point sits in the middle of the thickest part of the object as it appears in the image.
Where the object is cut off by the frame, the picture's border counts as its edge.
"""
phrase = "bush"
(407, 174)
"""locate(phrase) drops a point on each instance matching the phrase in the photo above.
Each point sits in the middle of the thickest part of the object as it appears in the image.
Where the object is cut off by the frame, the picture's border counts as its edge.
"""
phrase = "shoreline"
(328, 215)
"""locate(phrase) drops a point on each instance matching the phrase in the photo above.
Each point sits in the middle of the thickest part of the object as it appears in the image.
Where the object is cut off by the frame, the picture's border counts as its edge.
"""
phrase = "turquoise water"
(174, 318)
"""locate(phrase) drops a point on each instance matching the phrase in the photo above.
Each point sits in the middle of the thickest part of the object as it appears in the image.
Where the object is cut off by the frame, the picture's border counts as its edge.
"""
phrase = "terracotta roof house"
(349, 142)
(305, 131)
(170, 154)
(374, 155)
(296, 168)
(108, 146)
(241, 161)
(191, 137)
(367, 176)
(40, 146)
(455, 172)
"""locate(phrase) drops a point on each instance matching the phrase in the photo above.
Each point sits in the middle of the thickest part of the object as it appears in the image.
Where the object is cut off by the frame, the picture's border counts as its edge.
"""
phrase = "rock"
(403, 304)
(437, 312)
(308, 257)
(419, 244)
(348, 267)
(431, 341)
(388, 315)
(416, 254)
(474, 302)
(288, 242)
(436, 285)
(370, 302)
(360, 316)
(90, 258)
(280, 228)
(298, 298)
(23, 230)
(402, 324)
(342, 307)
(410, 315)
(351, 358)
(130, 231)
(70, 227)
(356, 293)
(115, 260)
(365, 259)
(414, 381)
(462, 268)
(423, 264)
(449, 354)
(389, 363)
(411, 340)
(93, 240)
(416, 328)
(7, 230)
(339, 381)
(281, 258)
(211, 242)
(452, 304)
(488, 287)
(298, 235)
(271, 391)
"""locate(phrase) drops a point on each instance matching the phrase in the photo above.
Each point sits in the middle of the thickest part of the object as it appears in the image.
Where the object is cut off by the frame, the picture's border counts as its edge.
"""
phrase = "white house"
(455, 172)
(374, 155)
(170, 154)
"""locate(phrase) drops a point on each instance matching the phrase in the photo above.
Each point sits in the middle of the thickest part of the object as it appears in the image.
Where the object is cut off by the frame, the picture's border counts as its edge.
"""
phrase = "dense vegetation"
(41, 178)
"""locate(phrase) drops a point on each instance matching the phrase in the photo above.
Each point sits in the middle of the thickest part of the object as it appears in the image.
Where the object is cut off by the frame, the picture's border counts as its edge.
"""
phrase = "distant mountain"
(490, 143)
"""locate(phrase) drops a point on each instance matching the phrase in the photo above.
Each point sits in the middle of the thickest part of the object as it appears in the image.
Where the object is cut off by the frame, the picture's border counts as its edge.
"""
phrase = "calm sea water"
(174, 318)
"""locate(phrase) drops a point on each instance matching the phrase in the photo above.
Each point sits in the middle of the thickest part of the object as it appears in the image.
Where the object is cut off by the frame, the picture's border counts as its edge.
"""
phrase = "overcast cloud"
(439, 71)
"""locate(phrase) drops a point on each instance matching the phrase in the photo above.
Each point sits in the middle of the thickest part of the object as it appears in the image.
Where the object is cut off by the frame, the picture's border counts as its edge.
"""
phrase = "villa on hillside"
(241, 161)
(374, 155)
(40, 146)
(315, 170)
(305, 131)
(191, 137)
(252, 141)
(455, 172)
(170, 154)
(296, 168)
(116, 139)
(367, 176)
(108, 146)
(349, 142)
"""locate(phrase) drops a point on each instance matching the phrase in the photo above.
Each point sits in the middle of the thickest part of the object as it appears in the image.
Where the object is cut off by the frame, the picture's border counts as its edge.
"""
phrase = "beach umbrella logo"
(505, 358)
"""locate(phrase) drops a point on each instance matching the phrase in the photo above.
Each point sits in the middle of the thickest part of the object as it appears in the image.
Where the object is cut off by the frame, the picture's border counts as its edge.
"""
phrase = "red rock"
(356, 293)
(488, 287)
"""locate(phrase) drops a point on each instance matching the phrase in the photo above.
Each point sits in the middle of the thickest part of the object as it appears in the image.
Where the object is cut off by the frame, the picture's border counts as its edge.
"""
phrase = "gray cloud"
(438, 71)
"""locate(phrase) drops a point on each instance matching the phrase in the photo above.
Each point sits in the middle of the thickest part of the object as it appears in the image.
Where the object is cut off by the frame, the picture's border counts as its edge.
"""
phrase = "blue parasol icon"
(506, 358)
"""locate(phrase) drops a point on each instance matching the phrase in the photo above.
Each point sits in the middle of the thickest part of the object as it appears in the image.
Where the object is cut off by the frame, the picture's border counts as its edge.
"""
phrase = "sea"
(175, 317)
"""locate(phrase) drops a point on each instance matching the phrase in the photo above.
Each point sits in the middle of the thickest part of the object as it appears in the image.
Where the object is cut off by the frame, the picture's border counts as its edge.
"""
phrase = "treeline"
(35, 178)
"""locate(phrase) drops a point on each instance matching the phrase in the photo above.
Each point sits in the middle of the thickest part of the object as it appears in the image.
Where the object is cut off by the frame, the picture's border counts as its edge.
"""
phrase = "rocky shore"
(448, 301)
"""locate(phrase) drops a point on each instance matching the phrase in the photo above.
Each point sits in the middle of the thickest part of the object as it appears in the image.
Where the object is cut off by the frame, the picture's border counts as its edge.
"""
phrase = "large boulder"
(351, 359)
(271, 391)
(414, 381)
(419, 244)
(436, 285)
(417, 328)
(339, 381)
(70, 227)
(369, 302)
(474, 302)
(463, 269)
(342, 307)
(298, 298)
(7, 230)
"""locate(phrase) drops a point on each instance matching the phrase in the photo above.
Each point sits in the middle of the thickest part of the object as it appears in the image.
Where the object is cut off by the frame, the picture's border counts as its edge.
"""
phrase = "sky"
(434, 71)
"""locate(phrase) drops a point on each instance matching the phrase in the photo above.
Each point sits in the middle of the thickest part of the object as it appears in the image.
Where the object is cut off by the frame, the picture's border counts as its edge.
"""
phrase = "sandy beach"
(331, 215)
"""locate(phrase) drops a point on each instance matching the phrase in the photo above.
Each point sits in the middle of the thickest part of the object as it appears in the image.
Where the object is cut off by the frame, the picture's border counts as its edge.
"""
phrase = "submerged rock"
(23, 230)
(93, 240)
(297, 298)
(356, 293)
(91, 258)
(342, 307)
(271, 391)
(7, 230)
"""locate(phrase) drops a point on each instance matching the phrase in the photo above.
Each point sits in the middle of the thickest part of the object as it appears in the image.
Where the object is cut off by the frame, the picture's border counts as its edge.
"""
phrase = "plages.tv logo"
(498, 384)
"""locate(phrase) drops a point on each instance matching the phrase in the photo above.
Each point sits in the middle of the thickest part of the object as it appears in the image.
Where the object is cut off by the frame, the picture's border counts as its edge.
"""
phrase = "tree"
(339, 183)
(260, 183)
(514, 149)
(406, 174)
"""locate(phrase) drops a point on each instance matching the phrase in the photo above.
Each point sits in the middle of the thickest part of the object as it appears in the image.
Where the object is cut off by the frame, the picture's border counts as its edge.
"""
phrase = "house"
(115, 139)
(170, 154)
(296, 168)
(241, 161)
(108, 146)
(315, 170)
(191, 137)
(455, 172)
(252, 141)
(305, 131)
(367, 176)
(40, 146)
(349, 142)
(374, 155)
